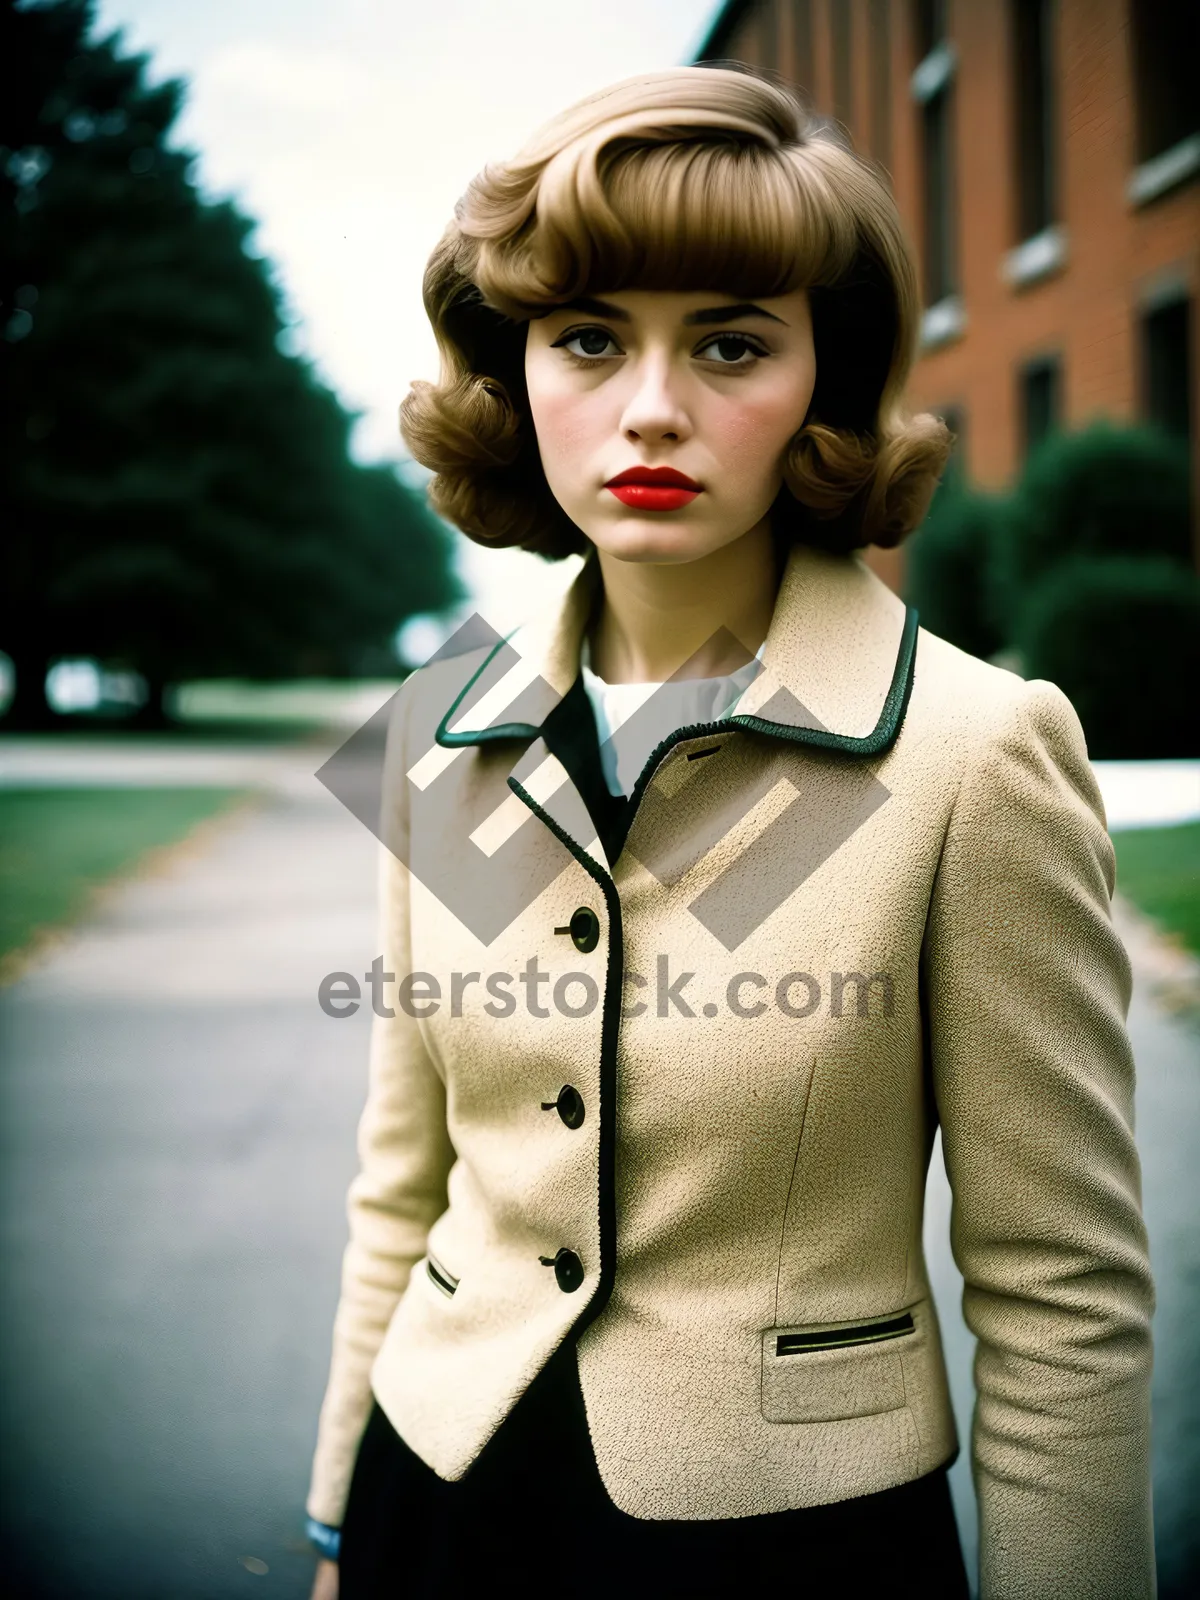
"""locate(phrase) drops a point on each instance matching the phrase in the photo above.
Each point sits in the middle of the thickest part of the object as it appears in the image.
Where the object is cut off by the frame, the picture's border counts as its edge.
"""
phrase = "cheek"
(569, 424)
(566, 429)
(751, 432)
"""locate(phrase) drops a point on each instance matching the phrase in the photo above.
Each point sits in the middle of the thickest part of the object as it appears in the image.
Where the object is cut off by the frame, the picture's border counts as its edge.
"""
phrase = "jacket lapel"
(839, 658)
(837, 670)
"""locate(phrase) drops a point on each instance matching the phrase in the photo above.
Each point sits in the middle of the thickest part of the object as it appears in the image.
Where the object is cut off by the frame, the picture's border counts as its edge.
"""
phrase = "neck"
(710, 614)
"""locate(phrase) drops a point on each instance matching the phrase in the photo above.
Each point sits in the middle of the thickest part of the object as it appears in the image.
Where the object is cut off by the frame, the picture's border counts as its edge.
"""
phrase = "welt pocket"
(837, 1371)
(802, 1341)
(439, 1277)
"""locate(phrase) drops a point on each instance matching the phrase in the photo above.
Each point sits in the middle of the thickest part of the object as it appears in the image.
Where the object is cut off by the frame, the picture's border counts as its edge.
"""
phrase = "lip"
(656, 477)
(654, 488)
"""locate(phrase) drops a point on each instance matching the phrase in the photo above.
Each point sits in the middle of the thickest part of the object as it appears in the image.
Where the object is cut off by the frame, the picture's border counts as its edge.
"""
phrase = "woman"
(634, 1295)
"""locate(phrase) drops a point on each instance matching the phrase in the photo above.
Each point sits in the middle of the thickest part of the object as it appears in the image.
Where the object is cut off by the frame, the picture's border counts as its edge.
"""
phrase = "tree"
(180, 497)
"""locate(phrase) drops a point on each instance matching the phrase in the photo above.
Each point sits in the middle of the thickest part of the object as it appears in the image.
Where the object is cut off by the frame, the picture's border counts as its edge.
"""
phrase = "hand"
(325, 1583)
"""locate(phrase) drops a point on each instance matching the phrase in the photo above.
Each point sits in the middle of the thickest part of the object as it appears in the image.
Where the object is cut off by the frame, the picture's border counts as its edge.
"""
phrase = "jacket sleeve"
(1028, 988)
(404, 1155)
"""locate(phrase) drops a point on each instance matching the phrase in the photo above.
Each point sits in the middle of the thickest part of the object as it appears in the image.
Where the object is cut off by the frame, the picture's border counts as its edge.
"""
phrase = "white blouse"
(627, 740)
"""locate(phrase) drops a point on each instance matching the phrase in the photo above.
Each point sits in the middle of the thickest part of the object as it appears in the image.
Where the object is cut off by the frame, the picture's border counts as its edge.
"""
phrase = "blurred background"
(217, 563)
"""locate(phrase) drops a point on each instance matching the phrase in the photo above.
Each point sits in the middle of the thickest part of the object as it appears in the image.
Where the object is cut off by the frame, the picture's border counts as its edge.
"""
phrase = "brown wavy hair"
(690, 179)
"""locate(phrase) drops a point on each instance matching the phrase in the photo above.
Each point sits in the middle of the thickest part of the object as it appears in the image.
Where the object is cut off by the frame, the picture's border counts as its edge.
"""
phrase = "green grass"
(1159, 870)
(57, 845)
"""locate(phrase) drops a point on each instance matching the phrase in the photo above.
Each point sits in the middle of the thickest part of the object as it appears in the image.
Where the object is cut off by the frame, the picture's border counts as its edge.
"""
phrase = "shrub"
(950, 560)
(1120, 635)
(1105, 491)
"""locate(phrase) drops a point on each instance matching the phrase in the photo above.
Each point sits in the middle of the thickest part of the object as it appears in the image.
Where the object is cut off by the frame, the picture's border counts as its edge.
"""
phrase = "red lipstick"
(654, 488)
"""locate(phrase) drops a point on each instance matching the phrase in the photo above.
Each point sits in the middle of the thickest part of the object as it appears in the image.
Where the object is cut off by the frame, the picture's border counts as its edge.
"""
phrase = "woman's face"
(696, 385)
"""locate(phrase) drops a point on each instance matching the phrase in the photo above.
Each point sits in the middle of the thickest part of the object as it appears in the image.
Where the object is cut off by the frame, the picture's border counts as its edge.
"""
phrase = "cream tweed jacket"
(874, 899)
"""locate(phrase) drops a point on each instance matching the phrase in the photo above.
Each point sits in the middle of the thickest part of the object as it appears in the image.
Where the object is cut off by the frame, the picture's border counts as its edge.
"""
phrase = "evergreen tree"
(179, 497)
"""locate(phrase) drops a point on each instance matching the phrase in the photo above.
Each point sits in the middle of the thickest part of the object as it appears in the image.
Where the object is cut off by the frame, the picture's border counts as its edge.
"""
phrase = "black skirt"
(533, 1510)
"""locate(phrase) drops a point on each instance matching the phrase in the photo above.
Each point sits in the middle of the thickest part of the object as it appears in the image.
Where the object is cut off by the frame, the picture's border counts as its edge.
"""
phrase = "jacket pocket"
(439, 1277)
(827, 1372)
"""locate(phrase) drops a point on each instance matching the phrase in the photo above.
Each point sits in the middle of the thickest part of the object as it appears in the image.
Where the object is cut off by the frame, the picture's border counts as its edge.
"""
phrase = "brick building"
(1045, 156)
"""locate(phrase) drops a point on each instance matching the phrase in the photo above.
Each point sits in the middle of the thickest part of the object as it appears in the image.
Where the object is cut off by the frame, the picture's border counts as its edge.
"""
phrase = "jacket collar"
(837, 664)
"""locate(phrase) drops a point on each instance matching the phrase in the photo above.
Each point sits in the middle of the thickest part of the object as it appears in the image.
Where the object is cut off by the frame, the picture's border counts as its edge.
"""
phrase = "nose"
(655, 412)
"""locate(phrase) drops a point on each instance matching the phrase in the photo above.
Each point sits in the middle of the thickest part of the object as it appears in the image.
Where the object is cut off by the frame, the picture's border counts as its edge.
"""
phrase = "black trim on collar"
(881, 737)
(502, 730)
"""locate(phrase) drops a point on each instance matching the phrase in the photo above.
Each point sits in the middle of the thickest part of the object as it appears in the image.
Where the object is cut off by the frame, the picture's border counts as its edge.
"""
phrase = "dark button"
(585, 929)
(568, 1269)
(570, 1105)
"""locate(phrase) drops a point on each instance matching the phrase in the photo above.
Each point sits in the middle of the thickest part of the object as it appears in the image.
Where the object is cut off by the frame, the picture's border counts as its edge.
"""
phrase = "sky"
(348, 128)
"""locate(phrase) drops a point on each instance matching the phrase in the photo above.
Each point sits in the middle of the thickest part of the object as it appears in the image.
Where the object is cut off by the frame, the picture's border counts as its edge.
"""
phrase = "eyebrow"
(694, 319)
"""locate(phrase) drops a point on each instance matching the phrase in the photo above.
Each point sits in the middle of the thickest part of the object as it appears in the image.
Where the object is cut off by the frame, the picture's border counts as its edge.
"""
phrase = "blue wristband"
(327, 1540)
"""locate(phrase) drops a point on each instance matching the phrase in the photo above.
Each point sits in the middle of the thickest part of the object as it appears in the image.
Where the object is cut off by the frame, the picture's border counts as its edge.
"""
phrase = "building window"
(1165, 51)
(1041, 400)
(1033, 83)
(879, 20)
(940, 276)
(839, 32)
(932, 89)
(1166, 366)
(768, 33)
(929, 25)
(798, 14)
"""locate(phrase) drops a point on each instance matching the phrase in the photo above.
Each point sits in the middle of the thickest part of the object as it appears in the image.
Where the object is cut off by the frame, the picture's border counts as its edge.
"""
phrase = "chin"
(647, 540)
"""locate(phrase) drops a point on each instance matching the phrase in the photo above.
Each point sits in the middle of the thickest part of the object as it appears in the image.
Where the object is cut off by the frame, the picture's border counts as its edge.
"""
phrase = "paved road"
(178, 1124)
(178, 1127)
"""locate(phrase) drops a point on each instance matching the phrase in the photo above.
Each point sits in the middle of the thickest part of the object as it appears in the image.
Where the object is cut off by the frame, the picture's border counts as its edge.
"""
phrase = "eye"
(592, 343)
(732, 350)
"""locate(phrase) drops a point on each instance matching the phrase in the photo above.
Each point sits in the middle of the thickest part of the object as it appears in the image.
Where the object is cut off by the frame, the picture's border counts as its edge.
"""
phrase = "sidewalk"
(80, 761)
(178, 1125)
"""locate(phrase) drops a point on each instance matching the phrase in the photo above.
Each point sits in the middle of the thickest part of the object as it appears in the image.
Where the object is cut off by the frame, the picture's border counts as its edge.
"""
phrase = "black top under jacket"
(570, 733)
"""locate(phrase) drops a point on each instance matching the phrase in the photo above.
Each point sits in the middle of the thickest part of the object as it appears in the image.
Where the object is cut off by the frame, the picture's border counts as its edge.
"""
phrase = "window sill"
(934, 73)
(942, 323)
(1176, 165)
(1036, 258)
